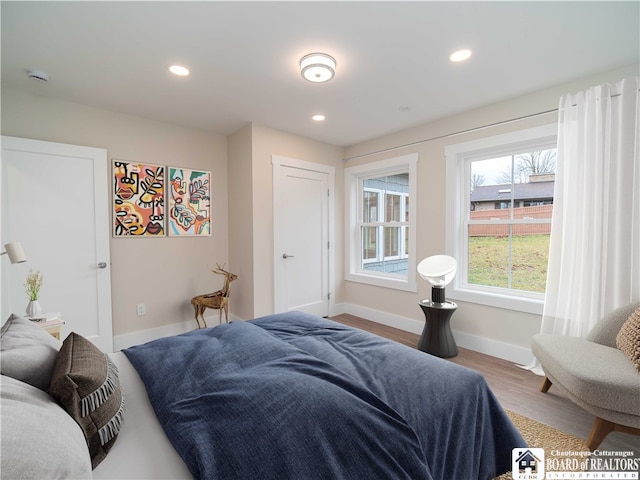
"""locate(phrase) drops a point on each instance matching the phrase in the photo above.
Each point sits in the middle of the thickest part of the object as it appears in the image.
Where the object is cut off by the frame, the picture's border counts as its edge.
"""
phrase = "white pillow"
(39, 439)
(27, 352)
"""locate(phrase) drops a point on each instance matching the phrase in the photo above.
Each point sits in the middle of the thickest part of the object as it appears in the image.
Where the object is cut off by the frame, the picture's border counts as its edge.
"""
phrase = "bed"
(287, 396)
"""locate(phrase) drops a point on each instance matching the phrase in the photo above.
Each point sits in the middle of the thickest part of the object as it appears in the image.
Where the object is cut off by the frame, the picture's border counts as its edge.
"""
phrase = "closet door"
(302, 225)
(55, 202)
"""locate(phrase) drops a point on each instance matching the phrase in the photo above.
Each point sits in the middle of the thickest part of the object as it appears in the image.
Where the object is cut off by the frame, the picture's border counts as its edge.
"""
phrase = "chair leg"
(546, 384)
(601, 428)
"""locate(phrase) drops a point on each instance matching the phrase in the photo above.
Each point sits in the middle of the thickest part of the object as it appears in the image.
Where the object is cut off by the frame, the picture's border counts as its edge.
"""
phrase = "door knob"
(102, 265)
(285, 256)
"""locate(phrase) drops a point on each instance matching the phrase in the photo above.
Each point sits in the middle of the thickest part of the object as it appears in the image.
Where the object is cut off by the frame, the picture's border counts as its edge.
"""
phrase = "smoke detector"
(38, 75)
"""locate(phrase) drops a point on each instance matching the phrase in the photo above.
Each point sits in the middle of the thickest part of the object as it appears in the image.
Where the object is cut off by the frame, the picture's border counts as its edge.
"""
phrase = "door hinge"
(329, 296)
(328, 192)
(328, 245)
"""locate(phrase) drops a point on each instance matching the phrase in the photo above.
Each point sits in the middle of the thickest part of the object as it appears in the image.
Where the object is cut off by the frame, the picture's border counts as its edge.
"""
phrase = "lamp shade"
(438, 270)
(15, 252)
(318, 67)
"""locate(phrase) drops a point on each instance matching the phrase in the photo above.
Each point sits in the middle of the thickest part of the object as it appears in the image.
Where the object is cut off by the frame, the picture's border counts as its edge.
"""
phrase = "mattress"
(142, 450)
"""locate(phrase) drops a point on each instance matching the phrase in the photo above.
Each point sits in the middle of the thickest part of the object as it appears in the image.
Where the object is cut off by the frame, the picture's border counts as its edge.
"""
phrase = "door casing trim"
(277, 162)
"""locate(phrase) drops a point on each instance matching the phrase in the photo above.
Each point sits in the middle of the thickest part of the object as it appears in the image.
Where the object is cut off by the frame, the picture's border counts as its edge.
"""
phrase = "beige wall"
(173, 269)
(240, 182)
(496, 324)
(258, 257)
(243, 206)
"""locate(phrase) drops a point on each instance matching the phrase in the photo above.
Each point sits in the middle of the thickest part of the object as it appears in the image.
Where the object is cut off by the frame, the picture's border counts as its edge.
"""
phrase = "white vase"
(34, 309)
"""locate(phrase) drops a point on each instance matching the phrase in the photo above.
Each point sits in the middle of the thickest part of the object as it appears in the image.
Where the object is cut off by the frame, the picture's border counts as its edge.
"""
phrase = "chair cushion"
(606, 329)
(628, 339)
(597, 374)
(28, 353)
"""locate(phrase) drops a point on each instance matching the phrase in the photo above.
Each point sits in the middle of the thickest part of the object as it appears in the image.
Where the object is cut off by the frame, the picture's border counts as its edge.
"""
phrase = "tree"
(530, 163)
(477, 179)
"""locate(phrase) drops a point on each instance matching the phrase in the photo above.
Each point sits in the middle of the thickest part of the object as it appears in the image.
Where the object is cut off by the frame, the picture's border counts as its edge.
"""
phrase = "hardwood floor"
(517, 389)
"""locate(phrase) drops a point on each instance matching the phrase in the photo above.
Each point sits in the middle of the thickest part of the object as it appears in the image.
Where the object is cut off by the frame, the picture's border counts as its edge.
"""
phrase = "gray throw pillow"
(39, 439)
(27, 352)
(85, 381)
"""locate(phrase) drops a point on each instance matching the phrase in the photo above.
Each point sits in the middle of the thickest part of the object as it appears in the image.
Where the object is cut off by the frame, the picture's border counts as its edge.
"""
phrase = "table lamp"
(437, 338)
(15, 252)
(438, 271)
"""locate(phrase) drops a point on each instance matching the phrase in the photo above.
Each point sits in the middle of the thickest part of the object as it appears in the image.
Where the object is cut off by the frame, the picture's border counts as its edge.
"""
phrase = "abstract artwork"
(189, 202)
(138, 199)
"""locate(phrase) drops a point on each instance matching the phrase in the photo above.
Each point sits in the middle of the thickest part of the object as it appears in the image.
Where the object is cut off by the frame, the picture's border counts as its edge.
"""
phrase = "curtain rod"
(461, 132)
(447, 135)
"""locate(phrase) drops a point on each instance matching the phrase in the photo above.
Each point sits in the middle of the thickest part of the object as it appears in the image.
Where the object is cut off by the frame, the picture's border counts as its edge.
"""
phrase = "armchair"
(595, 375)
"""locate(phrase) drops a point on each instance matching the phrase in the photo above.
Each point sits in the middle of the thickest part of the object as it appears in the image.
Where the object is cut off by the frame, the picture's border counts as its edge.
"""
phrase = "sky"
(491, 169)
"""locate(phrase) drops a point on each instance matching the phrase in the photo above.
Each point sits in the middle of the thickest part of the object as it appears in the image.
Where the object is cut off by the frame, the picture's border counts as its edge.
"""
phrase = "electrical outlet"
(141, 308)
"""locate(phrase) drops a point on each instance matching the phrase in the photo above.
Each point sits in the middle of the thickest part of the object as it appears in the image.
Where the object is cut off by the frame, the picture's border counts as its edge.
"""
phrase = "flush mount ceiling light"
(179, 70)
(318, 117)
(460, 55)
(318, 67)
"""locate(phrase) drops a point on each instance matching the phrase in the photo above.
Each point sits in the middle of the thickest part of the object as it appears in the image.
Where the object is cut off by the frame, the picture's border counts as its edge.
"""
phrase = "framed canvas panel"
(138, 199)
(189, 194)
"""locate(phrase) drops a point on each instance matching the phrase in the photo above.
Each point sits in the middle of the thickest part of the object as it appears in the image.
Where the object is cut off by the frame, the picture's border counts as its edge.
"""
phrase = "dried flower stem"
(33, 284)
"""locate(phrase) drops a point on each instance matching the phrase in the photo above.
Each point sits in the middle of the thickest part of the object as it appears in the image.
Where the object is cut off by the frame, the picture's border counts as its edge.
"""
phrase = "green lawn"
(489, 261)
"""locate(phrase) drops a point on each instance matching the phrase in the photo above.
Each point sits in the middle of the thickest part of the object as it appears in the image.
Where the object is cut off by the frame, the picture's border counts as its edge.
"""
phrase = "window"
(381, 223)
(384, 230)
(499, 204)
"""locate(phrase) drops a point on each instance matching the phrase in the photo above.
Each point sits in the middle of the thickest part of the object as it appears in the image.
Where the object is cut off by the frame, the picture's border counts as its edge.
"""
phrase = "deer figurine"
(217, 300)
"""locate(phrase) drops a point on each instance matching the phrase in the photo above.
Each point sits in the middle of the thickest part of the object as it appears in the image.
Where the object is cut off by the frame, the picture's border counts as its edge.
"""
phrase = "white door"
(55, 202)
(302, 214)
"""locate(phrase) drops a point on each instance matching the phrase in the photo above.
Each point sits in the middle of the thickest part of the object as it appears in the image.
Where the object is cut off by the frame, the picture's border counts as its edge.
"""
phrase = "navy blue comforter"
(294, 396)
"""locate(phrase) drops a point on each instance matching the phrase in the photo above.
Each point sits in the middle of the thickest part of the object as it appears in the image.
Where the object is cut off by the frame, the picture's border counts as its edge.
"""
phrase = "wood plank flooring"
(517, 389)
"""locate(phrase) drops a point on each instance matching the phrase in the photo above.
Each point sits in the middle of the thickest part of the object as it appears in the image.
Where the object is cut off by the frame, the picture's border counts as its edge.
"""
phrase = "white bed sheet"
(142, 450)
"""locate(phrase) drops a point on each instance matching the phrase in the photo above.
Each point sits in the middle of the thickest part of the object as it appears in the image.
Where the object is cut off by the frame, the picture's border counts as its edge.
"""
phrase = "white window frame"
(380, 224)
(458, 158)
(354, 177)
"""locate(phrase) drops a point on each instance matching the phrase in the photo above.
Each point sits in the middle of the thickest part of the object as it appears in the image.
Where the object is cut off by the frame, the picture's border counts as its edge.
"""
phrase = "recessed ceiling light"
(179, 70)
(318, 117)
(460, 55)
(318, 67)
(38, 75)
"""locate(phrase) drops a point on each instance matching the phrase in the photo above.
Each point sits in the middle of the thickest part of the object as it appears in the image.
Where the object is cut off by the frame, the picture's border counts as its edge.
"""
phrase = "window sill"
(397, 284)
(508, 302)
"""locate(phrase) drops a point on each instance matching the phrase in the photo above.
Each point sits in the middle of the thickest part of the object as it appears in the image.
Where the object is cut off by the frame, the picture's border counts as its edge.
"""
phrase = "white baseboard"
(495, 348)
(121, 342)
(338, 308)
(488, 346)
(385, 318)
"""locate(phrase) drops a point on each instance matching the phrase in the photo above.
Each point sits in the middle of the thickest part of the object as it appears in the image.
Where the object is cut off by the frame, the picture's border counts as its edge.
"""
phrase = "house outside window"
(381, 223)
(385, 248)
(499, 204)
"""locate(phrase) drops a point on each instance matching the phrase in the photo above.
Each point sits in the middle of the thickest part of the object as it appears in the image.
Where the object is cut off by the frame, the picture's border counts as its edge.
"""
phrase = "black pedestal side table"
(437, 338)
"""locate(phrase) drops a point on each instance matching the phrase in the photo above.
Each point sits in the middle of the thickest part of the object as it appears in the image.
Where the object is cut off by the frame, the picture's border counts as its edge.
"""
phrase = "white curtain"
(594, 256)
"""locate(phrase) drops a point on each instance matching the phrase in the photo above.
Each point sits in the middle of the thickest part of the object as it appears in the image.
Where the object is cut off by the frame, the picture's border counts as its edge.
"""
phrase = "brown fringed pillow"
(628, 338)
(86, 383)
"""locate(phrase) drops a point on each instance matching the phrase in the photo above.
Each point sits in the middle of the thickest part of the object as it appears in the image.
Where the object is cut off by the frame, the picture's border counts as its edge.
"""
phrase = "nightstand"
(52, 325)
(437, 338)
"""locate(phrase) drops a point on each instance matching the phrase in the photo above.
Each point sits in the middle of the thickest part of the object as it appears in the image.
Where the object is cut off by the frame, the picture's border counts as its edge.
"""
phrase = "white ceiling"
(393, 69)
